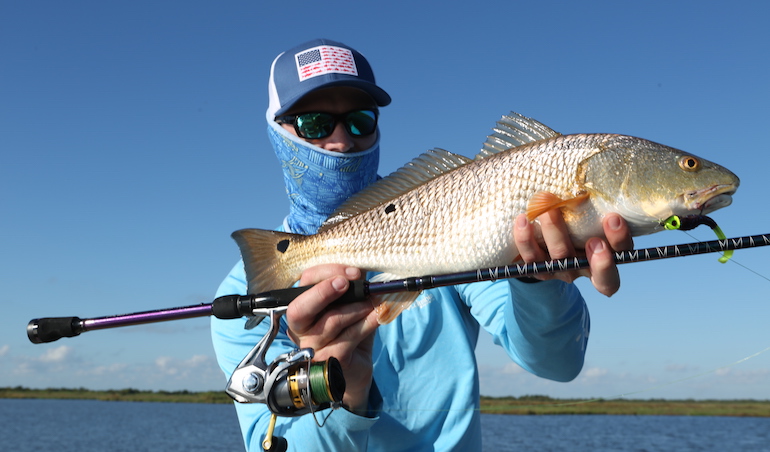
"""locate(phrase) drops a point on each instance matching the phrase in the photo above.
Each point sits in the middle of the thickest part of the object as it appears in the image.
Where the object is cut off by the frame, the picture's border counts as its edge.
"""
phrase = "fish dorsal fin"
(427, 166)
(514, 130)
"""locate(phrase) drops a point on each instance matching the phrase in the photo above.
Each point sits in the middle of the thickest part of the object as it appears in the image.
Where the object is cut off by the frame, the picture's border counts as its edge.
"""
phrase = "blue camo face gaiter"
(318, 181)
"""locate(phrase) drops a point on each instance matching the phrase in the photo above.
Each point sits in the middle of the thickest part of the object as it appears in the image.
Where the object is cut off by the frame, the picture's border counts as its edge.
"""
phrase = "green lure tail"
(692, 221)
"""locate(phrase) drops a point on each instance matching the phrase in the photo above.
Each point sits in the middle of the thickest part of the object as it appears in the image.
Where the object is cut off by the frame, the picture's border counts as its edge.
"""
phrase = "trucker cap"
(320, 63)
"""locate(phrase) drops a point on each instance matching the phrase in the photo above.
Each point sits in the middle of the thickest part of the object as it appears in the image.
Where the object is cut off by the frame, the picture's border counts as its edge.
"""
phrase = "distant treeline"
(528, 405)
(121, 395)
(690, 407)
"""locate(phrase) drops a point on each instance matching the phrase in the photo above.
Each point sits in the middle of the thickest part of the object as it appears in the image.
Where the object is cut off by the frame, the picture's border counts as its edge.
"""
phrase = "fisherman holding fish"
(412, 379)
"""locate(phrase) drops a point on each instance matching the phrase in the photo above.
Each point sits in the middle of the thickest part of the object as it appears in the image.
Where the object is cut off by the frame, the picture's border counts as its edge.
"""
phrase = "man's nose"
(339, 141)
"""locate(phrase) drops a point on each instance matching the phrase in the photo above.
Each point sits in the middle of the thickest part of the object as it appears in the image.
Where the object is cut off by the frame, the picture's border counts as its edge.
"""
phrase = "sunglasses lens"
(362, 122)
(320, 125)
(315, 125)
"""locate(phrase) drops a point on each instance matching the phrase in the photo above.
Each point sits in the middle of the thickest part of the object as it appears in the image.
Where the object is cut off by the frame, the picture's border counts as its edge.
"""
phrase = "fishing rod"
(50, 329)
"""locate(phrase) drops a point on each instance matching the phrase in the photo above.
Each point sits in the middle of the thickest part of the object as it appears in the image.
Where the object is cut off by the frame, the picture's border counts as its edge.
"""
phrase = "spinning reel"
(292, 385)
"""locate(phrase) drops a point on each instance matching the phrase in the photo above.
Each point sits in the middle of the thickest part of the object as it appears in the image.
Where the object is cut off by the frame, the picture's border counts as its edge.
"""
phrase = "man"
(411, 384)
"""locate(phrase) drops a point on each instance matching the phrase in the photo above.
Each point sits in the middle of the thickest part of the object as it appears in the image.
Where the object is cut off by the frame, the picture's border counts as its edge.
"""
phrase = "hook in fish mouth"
(711, 198)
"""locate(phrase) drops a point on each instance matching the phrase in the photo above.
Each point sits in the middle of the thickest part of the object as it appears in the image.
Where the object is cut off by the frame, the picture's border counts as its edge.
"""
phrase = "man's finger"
(304, 310)
(556, 235)
(314, 275)
(525, 240)
(604, 273)
(617, 232)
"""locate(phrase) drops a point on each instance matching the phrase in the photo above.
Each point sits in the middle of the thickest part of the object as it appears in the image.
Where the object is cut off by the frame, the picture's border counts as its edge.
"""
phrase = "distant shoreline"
(526, 405)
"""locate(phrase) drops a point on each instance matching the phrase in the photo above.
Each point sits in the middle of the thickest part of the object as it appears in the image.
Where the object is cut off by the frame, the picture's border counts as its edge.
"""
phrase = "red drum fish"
(445, 213)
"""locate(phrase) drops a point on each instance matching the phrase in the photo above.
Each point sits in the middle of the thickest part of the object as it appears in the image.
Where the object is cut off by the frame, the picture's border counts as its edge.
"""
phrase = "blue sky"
(132, 143)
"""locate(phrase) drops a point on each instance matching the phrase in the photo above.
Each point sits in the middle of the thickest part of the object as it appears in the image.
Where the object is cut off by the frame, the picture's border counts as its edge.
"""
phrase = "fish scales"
(449, 223)
(445, 213)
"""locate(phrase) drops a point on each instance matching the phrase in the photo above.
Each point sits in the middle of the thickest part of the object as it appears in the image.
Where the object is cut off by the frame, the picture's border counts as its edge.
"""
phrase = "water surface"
(91, 425)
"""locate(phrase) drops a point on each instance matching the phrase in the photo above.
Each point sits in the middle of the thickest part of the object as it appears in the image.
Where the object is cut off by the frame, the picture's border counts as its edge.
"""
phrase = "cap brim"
(381, 98)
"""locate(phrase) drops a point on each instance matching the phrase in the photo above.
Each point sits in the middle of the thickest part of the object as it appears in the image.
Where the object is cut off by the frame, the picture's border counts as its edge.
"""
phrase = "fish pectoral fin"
(544, 201)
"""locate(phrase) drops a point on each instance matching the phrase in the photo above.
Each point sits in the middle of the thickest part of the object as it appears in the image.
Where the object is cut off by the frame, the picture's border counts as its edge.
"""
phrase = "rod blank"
(235, 306)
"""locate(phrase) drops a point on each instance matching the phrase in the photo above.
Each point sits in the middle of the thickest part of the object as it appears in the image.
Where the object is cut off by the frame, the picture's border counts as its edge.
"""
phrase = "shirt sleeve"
(543, 326)
(342, 430)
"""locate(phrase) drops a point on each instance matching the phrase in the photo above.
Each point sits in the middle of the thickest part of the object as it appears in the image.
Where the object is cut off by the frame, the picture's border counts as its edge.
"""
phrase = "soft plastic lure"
(691, 222)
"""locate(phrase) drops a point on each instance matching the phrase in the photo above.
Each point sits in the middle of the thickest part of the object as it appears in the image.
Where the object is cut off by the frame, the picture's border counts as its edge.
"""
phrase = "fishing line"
(732, 259)
(668, 383)
(683, 224)
(690, 222)
(676, 223)
(594, 400)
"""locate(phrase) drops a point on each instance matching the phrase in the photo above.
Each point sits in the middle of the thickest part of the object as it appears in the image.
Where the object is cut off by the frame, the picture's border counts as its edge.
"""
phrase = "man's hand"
(603, 271)
(345, 332)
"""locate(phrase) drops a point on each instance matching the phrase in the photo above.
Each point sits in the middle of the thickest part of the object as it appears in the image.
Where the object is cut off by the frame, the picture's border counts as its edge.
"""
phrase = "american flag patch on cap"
(325, 60)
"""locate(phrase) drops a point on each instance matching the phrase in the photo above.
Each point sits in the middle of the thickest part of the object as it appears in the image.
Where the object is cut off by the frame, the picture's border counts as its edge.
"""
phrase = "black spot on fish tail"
(390, 209)
(263, 254)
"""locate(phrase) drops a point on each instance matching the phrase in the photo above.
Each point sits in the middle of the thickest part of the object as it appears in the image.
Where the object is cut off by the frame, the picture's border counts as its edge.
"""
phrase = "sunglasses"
(319, 125)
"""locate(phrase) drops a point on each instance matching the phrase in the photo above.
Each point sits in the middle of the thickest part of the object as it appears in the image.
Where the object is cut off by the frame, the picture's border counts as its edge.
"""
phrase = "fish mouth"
(712, 198)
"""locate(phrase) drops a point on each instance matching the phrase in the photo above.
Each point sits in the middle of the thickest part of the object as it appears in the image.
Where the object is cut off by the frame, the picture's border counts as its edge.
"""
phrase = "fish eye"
(689, 163)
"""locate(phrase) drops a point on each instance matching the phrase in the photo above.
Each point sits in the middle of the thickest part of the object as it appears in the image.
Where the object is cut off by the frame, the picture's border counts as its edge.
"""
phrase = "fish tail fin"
(266, 256)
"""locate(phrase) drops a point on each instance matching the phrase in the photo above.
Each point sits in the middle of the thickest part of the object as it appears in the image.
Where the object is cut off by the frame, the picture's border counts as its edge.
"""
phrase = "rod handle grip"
(235, 306)
(50, 329)
(358, 290)
(232, 306)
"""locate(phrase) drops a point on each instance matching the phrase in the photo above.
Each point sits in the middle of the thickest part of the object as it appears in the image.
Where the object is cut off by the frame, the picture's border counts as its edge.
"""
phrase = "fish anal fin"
(388, 306)
(542, 202)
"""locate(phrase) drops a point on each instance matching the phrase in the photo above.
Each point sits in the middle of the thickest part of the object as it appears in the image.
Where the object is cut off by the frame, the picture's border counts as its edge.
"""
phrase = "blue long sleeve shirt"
(426, 384)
